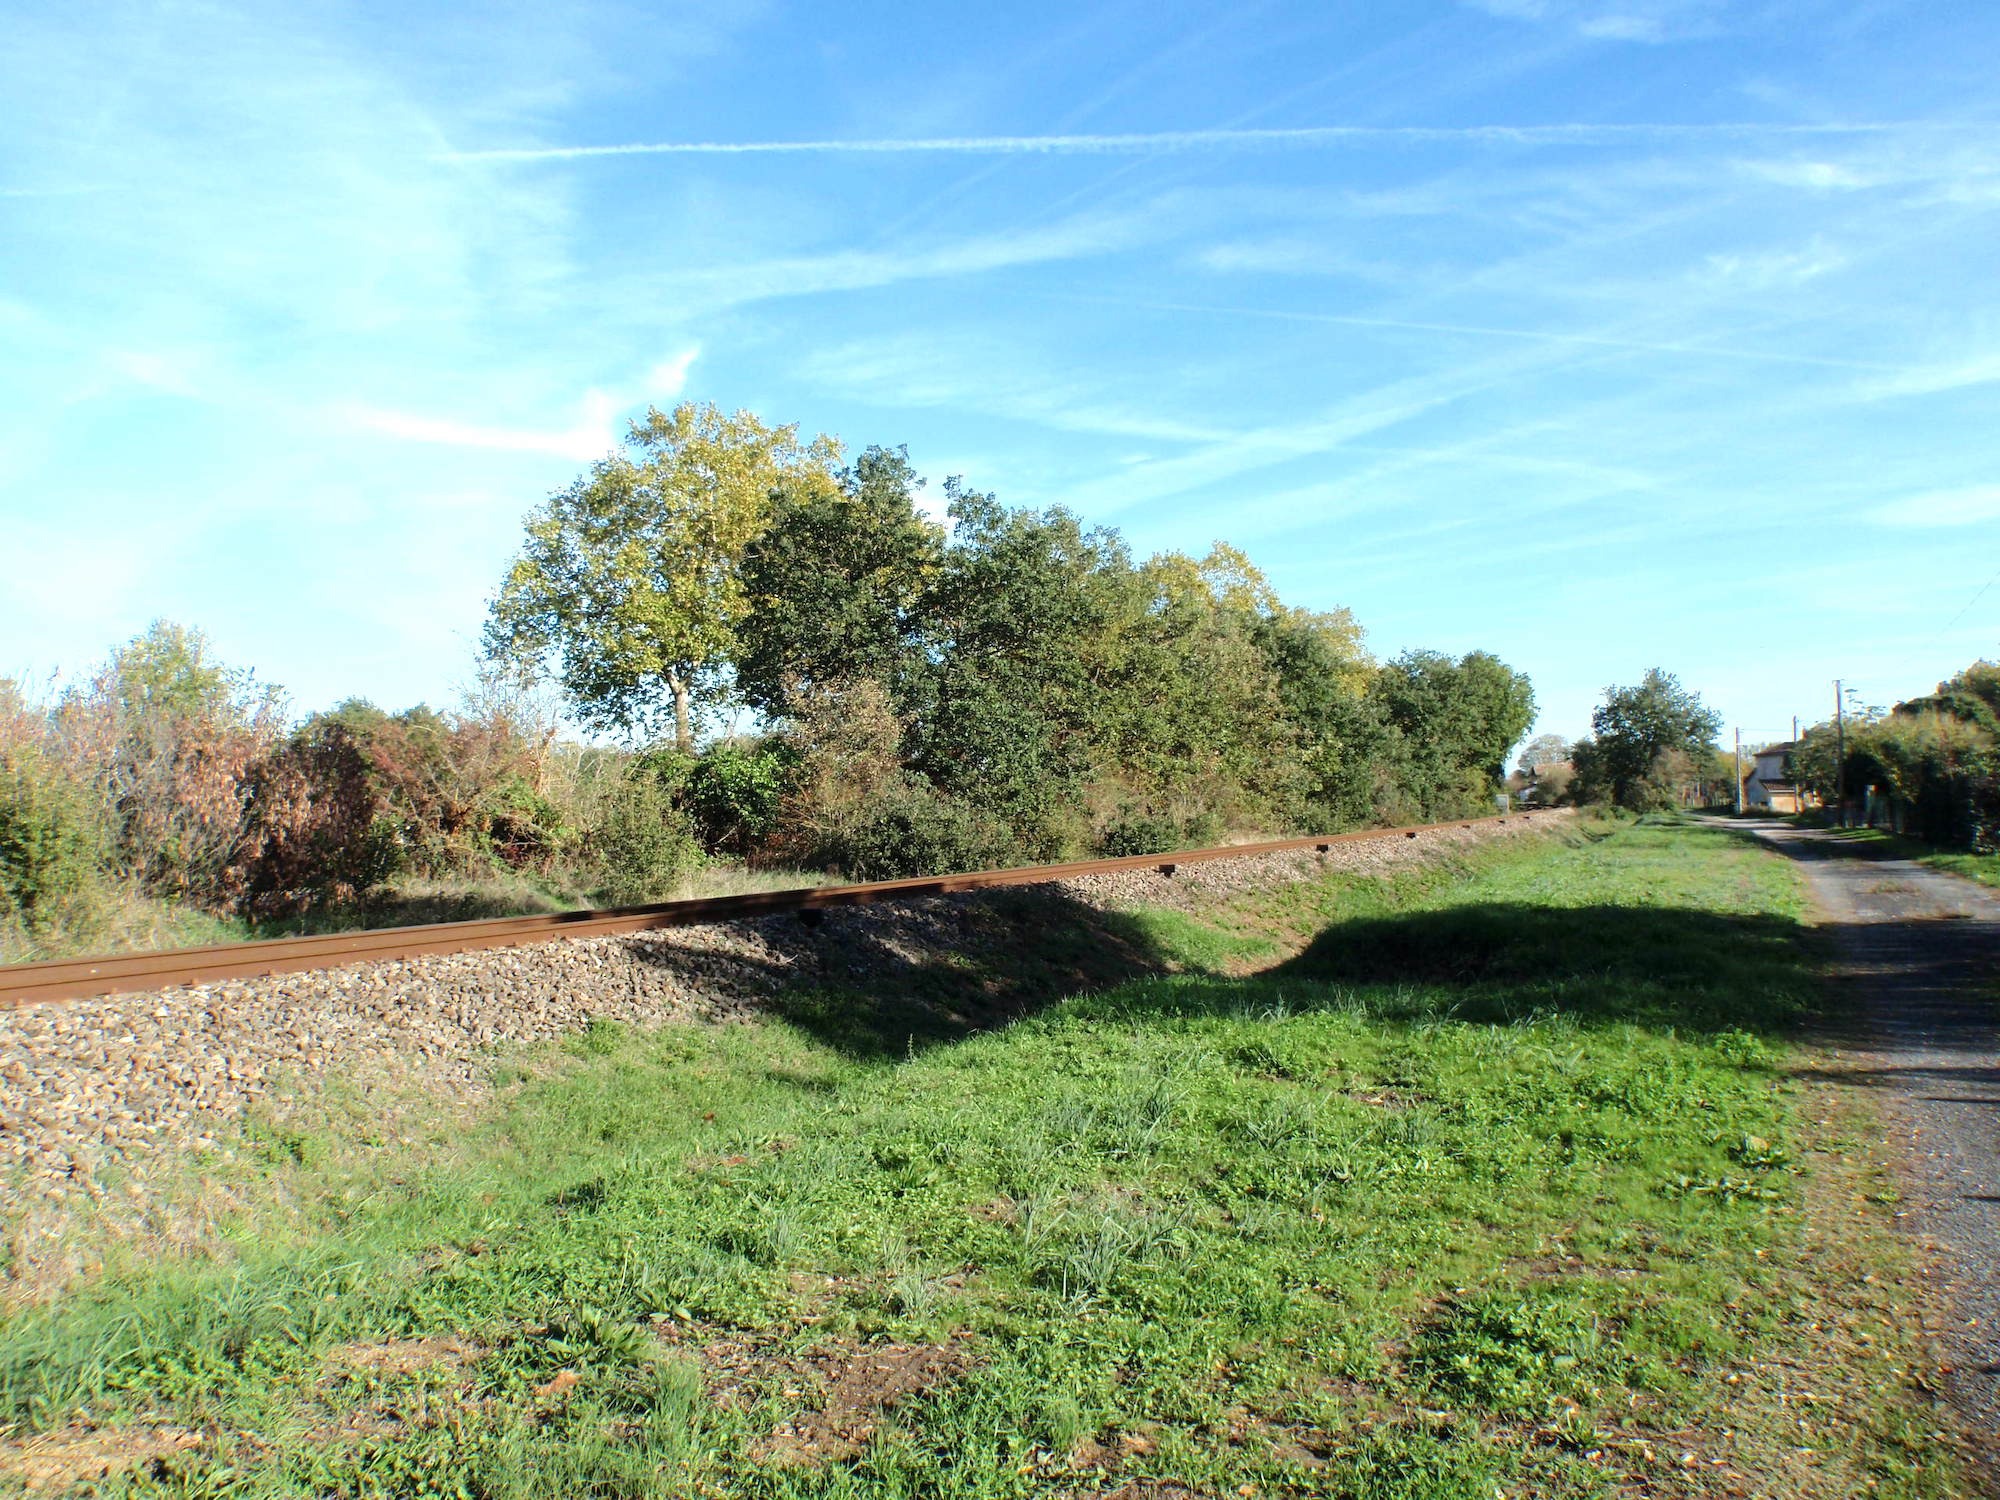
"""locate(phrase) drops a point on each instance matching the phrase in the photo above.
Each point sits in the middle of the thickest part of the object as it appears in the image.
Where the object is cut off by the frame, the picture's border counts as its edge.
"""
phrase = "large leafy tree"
(1639, 728)
(1002, 705)
(1351, 760)
(1191, 725)
(1457, 719)
(832, 583)
(1319, 658)
(632, 578)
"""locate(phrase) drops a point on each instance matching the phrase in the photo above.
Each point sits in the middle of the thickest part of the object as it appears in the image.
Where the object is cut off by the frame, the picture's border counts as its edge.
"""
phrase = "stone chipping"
(92, 1090)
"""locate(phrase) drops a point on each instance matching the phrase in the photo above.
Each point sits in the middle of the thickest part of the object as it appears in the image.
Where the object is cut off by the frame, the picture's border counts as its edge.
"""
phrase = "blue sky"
(1601, 334)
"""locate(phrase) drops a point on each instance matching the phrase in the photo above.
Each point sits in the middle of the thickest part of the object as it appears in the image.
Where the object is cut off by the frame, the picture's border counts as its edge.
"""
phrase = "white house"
(1769, 787)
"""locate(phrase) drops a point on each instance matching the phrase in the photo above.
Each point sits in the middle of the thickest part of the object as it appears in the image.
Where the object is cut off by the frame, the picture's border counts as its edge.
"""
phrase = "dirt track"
(1921, 949)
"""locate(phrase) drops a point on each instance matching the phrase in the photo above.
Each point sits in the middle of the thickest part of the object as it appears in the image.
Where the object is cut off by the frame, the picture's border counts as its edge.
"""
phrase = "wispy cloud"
(1970, 506)
(1155, 142)
(594, 434)
(1770, 268)
(718, 287)
(1594, 340)
(1824, 176)
(1931, 379)
(1961, 169)
(997, 379)
(1616, 20)
(591, 438)
(669, 377)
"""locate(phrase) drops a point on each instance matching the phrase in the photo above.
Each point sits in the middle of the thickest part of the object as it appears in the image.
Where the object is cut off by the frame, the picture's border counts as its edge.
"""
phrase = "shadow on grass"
(871, 981)
(1655, 966)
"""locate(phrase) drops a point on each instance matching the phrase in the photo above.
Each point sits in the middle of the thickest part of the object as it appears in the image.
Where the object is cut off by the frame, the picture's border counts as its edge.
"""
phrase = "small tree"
(632, 577)
(1635, 727)
(51, 837)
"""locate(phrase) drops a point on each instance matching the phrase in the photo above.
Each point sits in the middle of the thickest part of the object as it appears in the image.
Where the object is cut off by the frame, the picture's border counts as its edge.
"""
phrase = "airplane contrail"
(1163, 141)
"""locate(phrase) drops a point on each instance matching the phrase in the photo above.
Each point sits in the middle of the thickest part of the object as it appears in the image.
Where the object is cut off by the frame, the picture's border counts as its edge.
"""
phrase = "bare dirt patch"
(844, 1388)
(406, 1356)
(78, 1455)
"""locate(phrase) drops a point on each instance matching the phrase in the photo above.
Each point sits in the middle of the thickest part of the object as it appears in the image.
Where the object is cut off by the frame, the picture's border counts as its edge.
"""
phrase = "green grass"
(112, 918)
(1490, 1181)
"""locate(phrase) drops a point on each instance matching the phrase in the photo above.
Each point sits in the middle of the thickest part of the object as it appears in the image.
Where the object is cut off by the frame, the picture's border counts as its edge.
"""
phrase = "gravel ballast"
(97, 1089)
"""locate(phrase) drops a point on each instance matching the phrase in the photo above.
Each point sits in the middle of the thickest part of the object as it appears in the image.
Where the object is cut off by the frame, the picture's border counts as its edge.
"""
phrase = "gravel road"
(1922, 950)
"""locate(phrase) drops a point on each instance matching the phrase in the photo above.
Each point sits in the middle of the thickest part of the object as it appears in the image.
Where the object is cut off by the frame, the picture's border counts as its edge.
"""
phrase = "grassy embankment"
(1486, 1180)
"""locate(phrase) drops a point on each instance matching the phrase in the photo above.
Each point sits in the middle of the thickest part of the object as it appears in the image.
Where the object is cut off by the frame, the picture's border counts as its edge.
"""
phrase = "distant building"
(1770, 786)
(1543, 782)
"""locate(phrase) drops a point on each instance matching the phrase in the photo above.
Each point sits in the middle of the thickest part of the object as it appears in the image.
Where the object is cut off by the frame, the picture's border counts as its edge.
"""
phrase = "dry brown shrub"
(312, 833)
(162, 737)
(849, 740)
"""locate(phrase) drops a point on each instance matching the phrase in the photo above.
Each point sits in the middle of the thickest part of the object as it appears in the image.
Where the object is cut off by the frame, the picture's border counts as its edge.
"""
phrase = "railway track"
(168, 968)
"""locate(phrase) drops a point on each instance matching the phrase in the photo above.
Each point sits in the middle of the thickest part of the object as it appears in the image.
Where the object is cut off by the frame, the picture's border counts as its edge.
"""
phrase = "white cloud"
(1942, 163)
(1292, 255)
(669, 378)
(1824, 176)
(1970, 506)
(172, 373)
(590, 439)
(595, 433)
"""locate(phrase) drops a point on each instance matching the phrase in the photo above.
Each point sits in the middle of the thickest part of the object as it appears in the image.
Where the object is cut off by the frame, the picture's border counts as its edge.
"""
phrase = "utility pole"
(1840, 751)
(1795, 729)
(1739, 773)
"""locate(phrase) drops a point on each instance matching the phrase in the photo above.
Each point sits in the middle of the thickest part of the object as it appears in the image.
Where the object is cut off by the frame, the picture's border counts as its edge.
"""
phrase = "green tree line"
(1930, 767)
(1012, 684)
(779, 659)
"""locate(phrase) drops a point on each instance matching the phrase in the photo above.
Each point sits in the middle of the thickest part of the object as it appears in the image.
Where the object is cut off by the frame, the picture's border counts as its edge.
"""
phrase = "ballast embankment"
(95, 1089)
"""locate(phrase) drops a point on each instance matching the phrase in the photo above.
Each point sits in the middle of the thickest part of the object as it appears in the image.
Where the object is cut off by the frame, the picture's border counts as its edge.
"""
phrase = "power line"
(1967, 610)
(1916, 657)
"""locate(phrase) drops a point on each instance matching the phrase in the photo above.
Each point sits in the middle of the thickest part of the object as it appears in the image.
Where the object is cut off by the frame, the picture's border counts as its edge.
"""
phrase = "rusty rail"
(166, 968)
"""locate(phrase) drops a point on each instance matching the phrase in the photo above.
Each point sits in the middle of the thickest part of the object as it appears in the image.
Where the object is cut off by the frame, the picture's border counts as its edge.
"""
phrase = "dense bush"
(734, 791)
(52, 840)
(517, 826)
(1143, 831)
(641, 843)
(317, 833)
(912, 828)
